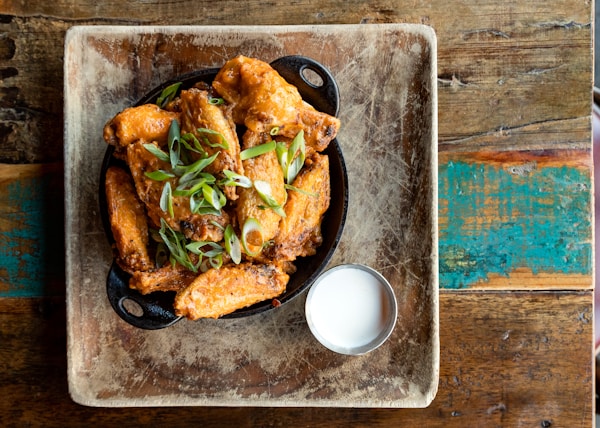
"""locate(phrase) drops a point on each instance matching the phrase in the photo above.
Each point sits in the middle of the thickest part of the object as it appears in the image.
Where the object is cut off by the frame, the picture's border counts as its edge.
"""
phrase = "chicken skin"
(147, 122)
(262, 100)
(300, 230)
(205, 227)
(219, 292)
(127, 221)
(264, 168)
(199, 113)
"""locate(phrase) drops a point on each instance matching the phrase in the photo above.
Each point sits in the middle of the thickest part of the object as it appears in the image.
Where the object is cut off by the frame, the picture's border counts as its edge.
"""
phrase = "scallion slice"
(156, 151)
(263, 189)
(159, 175)
(255, 151)
(232, 245)
(235, 179)
(251, 227)
(167, 95)
(223, 144)
(166, 199)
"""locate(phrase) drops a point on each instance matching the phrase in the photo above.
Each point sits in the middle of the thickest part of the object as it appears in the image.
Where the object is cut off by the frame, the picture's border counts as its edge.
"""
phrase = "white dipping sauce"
(349, 308)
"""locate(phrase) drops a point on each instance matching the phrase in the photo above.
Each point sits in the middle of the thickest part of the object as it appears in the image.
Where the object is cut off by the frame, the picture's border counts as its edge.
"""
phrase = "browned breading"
(219, 292)
(300, 230)
(127, 221)
(261, 99)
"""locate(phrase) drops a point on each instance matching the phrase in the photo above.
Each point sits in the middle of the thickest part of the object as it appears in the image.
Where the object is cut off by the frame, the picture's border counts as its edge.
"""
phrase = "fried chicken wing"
(127, 221)
(166, 278)
(300, 230)
(262, 168)
(261, 99)
(198, 113)
(193, 226)
(219, 292)
(147, 122)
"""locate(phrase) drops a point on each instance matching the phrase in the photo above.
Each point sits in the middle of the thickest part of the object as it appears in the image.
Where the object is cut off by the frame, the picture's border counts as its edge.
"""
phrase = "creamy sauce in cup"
(351, 309)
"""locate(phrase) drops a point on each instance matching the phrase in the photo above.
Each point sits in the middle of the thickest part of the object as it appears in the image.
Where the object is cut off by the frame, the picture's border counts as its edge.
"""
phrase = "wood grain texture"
(515, 359)
(511, 76)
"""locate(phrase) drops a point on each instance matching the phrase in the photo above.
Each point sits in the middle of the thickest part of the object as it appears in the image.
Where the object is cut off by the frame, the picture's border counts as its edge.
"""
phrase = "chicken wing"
(197, 112)
(148, 122)
(193, 226)
(127, 221)
(166, 278)
(300, 230)
(218, 292)
(262, 100)
(264, 168)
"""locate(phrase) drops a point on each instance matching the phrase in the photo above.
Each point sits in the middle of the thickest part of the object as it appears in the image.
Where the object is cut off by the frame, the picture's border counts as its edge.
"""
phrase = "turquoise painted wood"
(496, 219)
(32, 233)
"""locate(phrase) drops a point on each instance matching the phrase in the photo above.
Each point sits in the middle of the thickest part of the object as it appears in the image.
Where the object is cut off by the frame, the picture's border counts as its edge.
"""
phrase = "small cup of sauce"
(351, 309)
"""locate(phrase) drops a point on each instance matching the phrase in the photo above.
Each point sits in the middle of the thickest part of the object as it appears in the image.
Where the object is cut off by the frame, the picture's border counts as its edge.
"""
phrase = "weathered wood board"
(387, 79)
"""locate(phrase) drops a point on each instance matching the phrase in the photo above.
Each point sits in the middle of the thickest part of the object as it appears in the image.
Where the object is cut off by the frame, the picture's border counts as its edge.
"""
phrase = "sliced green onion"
(174, 146)
(216, 101)
(191, 171)
(199, 248)
(166, 199)
(235, 179)
(175, 243)
(188, 139)
(152, 148)
(159, 175)
(304, 192)
(223, 144)
(167, 94)
(199, 205)
(251, 226)
(214, 196)
(296, 156)
(232, 245)
(274, 131)
(264, 191)
(255, 151)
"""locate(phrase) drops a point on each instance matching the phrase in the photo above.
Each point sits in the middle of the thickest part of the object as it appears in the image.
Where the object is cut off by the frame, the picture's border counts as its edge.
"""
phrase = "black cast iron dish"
(317, 86)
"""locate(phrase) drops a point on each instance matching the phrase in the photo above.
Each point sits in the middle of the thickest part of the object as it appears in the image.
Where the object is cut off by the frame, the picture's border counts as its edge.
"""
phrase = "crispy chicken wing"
(166, 278)
(193, 226)
(262, 168)
(127, 221)
(218, 292)
(199, 113)
(148, 122)
(300, 230)
(261, 99)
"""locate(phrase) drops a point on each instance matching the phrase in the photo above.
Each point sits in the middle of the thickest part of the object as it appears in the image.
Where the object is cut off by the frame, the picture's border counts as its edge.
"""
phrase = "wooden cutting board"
(387, 80)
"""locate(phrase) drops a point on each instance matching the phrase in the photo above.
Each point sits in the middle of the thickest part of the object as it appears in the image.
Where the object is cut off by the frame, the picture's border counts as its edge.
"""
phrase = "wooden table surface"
(515, 210)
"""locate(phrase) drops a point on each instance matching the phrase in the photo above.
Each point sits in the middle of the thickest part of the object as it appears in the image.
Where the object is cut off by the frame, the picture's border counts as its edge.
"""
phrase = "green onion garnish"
(232, 245)
(251, 226)
(216, 101)
(159, 175)
(264, 191)
(255, 151)
(166, 199)
(152, 148)
(222, 144)
(167, 94)
(235, 179)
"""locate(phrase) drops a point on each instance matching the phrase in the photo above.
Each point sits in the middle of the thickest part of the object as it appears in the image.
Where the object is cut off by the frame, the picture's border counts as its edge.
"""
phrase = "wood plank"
(516, 220)
(511, 75)
(518, 359)
(31, 230)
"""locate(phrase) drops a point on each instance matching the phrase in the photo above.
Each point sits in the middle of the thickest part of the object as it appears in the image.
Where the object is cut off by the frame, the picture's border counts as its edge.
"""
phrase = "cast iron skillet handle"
(324, 95)
(156, 308)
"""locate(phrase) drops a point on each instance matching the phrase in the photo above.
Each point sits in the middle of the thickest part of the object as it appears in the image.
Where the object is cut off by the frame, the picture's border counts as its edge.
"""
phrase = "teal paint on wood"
(500, 219)
(32, 246)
